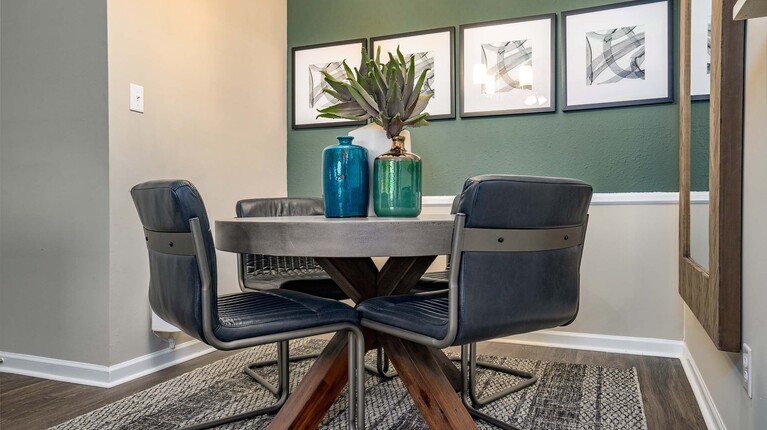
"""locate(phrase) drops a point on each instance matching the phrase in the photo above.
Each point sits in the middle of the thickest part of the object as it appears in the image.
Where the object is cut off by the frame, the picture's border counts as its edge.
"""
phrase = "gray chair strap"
(170, 243)
(522, 240)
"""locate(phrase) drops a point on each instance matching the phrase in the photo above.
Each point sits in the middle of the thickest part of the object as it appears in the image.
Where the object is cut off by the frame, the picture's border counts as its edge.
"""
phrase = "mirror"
(700, 88)
(710, 228)
(699, 195)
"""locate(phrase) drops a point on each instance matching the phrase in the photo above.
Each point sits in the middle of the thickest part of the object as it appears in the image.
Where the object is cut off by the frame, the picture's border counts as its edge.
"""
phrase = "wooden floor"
(32, 403)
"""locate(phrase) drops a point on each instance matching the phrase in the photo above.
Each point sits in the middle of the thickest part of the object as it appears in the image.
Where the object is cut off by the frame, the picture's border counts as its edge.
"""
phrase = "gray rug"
(567, 397)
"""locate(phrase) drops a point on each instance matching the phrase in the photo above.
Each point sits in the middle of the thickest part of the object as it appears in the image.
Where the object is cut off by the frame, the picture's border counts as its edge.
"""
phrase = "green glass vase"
(397, 182)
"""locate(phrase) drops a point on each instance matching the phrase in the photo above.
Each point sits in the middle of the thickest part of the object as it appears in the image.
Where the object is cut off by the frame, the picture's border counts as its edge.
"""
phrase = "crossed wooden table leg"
(428, 374)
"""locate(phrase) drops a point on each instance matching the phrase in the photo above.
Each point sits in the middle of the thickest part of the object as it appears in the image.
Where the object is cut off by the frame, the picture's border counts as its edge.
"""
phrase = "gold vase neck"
(398, 144)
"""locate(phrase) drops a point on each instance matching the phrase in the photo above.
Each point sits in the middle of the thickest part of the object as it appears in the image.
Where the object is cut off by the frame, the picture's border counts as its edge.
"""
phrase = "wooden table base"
(429, 376)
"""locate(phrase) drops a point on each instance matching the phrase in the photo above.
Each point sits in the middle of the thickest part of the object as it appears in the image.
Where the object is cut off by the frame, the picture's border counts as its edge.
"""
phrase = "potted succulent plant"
(389, 94)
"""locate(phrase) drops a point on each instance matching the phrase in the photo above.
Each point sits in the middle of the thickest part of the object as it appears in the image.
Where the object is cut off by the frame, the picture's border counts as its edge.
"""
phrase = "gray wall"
(54, 202)
(721, 371)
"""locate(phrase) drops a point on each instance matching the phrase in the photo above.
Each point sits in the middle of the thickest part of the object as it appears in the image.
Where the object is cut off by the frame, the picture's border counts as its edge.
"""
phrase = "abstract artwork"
(431, 50)
(618, 55)
(309, 63)
(318, 98)
(507, 66)
(614, 55)
(700, 49)
(503, 63)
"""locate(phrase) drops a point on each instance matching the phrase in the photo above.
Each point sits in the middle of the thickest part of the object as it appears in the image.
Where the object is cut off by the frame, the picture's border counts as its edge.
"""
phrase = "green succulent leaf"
(401, 58)
(378, 92)
(364, 62)
(394, 101)
(365, 95)
(349, 73)
(337, 86)
(351, 117)
(417, 88)
(409, 82)
(335, 95)
(362, 102)
(348, 108)
(420, 104)
(394, 128)
(417, 120)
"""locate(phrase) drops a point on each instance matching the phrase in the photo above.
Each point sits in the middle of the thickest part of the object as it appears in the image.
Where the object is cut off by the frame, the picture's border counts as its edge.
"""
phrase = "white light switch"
(136, 98)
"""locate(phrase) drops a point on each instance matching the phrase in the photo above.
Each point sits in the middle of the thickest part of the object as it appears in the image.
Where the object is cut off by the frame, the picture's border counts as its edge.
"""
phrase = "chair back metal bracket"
(170, 243)
(522, 240)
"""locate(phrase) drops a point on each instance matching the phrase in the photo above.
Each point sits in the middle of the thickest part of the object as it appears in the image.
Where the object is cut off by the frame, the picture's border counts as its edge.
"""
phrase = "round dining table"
(344, 247)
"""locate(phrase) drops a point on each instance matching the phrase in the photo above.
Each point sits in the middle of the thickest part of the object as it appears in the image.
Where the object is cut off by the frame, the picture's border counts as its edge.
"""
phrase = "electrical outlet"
(748, 369)
(136, 98)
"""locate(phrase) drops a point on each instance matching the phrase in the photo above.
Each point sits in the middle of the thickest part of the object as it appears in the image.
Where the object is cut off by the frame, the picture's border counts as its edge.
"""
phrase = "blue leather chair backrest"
(175, 286)
(282, 206)
(506, 293)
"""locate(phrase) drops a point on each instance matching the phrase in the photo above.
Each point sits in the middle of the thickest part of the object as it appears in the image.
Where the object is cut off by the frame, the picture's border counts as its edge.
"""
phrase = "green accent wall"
(628, 149)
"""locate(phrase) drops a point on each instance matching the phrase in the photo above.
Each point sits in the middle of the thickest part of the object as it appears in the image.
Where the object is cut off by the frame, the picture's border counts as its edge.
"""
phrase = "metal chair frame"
(486, 240)
(192, 244)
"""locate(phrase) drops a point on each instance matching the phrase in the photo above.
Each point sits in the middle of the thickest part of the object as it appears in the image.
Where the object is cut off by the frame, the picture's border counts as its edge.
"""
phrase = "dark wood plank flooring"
(33, 403)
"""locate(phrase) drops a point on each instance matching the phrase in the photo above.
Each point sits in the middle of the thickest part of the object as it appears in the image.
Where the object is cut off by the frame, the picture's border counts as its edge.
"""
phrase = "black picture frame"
(669, 98)
(335, 123)
(451, 50)
(553, 67)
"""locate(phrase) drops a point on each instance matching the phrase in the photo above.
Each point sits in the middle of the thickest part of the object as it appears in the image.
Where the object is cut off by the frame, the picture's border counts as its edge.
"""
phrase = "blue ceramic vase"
(345, 179)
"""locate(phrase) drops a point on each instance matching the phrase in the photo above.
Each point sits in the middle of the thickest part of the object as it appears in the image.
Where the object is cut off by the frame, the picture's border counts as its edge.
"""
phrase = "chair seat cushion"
(262, 313)
(425, 314)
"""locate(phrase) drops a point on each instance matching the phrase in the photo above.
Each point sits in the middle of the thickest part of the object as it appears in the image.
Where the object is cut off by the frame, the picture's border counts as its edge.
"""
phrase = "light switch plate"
(136, 98)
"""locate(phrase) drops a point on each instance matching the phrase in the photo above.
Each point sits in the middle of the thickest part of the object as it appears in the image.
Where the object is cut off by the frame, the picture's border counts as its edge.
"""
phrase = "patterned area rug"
(566, 397)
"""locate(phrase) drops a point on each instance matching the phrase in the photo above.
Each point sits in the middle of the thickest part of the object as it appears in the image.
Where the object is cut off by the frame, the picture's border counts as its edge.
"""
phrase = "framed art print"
(507, 66)
(618, 55)
(700, 49)
(308, 83)
(432, 49)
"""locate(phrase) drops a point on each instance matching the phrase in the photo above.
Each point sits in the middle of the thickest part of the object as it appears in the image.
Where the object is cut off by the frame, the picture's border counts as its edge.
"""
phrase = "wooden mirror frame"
(715, 296)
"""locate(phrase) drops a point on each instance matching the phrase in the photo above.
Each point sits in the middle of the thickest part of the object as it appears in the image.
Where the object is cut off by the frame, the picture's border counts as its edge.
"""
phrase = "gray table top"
(317, 236)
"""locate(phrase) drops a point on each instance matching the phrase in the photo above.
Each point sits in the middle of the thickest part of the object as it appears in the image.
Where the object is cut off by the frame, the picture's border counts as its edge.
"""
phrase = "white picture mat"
(438, 43)
(700, 16)
(304, 113)
(538, 31)
(654, 18)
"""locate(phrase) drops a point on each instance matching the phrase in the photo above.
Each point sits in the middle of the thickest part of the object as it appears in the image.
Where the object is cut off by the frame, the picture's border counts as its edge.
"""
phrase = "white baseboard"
(706, 403)
(600, 342)
(97, 375)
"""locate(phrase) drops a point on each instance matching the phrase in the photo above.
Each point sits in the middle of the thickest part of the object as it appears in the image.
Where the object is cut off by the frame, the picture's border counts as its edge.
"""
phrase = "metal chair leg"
(250, 370)
(382, 365)
(468, 371)
(356, 380)
(283, 362)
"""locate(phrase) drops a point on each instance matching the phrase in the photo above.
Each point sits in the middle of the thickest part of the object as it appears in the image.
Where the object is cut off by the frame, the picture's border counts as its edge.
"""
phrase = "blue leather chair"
(259, 272)
(183, 291)
(265, 272)
(515, 268)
